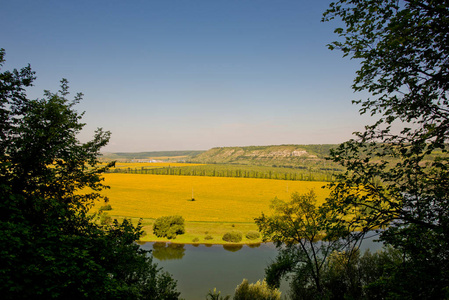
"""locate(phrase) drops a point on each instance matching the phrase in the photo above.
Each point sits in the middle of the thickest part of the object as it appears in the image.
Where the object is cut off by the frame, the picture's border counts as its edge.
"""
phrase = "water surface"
(200, 268)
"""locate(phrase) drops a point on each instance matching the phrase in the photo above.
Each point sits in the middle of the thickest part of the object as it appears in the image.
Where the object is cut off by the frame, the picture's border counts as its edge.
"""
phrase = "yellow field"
(217, 199)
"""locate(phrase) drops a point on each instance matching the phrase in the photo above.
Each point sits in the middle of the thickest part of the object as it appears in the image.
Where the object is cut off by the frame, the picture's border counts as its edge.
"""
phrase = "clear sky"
(189, 74)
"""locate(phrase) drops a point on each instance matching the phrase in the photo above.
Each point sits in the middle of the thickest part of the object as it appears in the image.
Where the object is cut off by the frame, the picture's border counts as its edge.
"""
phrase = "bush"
(216, 295)
(196, 240)
(256, 291)
(169, 226)
(105, 219)
(209, 237)
(252, 235)
(233, 237)
(106, 207)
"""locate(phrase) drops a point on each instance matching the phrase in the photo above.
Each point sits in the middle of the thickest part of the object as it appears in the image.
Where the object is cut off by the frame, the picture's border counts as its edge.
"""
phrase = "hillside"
(291, 156)
(279, 155)
(156, 155)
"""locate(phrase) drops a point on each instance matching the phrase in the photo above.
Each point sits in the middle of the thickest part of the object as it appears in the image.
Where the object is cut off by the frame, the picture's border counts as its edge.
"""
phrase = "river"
(200, 268)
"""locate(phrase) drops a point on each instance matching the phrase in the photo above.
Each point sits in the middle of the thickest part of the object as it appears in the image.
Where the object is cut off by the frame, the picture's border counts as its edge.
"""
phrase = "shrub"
(105, 219)
(169, 226)
(216, 295)
(196, 240)
(252, 235)
(233, 236)
(209, 237)
(106, 207)
(256, 291)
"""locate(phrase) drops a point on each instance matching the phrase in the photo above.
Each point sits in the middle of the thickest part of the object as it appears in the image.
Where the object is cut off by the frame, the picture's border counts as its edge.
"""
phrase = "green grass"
(199, 230)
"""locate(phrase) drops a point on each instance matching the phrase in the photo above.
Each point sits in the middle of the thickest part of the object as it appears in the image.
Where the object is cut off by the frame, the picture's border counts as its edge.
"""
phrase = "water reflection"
(164, 251)
(169, 251)
(233, 248)
(204, 267)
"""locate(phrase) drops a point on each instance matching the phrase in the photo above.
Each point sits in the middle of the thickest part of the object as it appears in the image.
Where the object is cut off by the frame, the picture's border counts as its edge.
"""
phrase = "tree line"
(239, 171)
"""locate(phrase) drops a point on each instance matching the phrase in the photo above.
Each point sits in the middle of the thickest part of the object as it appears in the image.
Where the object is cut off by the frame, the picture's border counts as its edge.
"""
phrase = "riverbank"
(200, 232)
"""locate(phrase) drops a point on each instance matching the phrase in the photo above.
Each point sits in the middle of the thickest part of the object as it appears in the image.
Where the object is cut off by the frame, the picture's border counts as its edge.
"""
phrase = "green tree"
(49, 246)
(320, 264)
(256, 291)
(169, 226)
(359, 276)
(252, 235)
(303, 246)
(233, 236)
(397, 169)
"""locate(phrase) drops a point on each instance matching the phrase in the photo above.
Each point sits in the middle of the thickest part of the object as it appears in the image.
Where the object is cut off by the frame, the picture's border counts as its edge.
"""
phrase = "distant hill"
(163, 155)
(279, 155)
(303, 156)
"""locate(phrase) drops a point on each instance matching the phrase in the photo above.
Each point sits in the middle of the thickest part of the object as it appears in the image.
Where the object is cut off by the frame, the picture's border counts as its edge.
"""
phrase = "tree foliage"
(320, 263)
(252, 235)
(256, 291)
(234, 236)
(303, 246)
(169, 226)
(397, 169)
(49, 246)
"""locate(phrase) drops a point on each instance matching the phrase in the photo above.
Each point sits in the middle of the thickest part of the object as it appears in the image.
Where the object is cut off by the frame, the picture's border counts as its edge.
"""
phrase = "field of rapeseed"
(216, 199)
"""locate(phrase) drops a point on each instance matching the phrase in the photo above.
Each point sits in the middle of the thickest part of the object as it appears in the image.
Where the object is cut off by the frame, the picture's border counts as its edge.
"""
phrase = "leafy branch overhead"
(396, 179)
(50, 247)
(397, 175)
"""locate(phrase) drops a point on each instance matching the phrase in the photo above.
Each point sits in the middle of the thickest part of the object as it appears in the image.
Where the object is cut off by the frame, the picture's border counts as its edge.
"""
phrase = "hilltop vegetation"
(279, 155)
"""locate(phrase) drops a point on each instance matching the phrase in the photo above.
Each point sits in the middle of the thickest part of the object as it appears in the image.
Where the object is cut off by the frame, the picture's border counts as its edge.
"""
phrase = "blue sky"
(189, 75)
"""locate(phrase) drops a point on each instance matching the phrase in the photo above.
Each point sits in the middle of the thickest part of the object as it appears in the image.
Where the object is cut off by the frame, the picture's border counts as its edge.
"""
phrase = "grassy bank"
(199, 232)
